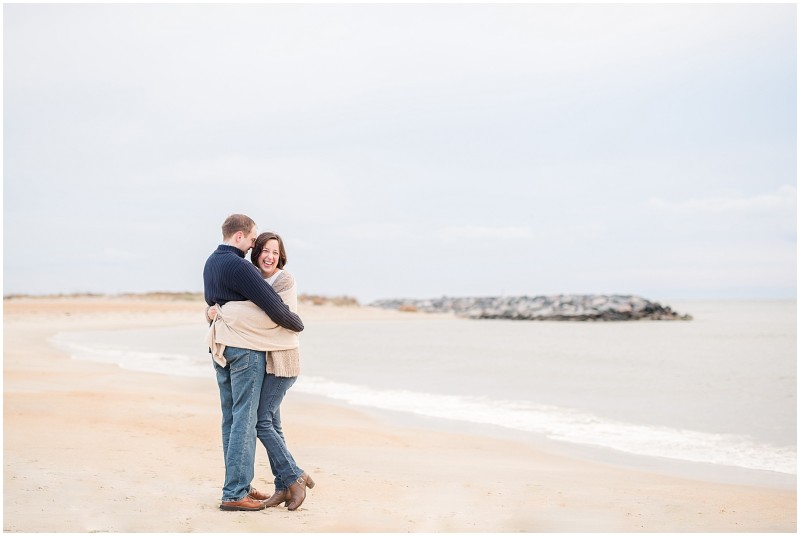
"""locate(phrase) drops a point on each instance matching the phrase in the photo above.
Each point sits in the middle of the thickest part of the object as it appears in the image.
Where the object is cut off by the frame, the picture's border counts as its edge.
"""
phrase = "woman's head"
(268, 253)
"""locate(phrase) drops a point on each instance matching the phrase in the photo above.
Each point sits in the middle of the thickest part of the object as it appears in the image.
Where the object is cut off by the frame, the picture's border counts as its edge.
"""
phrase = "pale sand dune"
(91, 447)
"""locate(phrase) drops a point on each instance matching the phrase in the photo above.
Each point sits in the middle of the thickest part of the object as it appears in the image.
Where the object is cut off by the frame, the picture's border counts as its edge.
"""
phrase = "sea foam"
(564, 424)
(176, 364)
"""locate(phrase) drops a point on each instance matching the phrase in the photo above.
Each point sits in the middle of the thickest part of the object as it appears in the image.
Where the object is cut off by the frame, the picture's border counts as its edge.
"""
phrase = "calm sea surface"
(720, 389)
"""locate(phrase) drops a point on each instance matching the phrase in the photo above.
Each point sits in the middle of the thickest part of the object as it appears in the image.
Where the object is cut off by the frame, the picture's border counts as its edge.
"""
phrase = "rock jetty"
(570, 307)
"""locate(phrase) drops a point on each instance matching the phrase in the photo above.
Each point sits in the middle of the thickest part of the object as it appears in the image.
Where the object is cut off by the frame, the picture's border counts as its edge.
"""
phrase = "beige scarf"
(243, 324)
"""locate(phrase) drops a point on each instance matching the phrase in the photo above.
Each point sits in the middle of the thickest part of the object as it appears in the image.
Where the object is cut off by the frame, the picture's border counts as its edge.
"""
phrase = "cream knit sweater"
(245, 325)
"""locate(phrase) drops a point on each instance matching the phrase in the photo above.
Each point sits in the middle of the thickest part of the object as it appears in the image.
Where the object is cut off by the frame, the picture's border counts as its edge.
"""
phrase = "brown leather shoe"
(257, 495)
(278, 497)
(298, 491)
(246, 504)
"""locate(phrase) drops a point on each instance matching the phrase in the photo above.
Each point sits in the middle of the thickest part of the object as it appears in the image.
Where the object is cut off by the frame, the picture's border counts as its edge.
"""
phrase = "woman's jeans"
(240, 382)
(269, 431)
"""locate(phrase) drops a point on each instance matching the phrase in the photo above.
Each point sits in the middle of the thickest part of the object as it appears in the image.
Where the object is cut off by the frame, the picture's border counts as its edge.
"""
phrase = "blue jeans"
(240, 384)
(269, 431)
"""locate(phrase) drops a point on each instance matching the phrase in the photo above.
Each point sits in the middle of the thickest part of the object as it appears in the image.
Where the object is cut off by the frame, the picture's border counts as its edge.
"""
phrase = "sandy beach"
(90, 447)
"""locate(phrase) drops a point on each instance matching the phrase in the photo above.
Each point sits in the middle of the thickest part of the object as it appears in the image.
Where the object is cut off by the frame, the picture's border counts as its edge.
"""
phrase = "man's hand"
(211, 313)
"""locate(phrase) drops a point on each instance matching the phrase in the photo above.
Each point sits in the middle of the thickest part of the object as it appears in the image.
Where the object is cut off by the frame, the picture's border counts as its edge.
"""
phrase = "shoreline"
(700, 471)
(129, 441)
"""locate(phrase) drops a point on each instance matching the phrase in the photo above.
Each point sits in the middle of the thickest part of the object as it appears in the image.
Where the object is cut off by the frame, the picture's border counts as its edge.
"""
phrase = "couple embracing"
(254, 343)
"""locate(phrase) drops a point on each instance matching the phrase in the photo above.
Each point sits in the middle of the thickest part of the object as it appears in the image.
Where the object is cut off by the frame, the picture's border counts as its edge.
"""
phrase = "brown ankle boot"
(277, 498)
(298, 491)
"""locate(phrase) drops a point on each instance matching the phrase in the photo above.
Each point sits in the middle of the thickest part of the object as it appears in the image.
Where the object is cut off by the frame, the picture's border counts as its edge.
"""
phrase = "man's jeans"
(240, 384)
(270, 433)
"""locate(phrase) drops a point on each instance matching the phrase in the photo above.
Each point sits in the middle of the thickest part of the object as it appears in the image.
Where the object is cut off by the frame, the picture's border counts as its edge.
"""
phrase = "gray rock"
(569, 307)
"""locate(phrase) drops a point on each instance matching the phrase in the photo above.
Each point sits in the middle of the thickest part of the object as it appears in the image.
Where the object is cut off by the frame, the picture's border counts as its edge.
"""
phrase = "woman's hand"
(211, 313)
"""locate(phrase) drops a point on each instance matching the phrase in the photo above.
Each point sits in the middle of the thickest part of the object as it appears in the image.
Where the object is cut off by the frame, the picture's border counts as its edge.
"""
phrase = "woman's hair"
(261, 241)
(235, 223)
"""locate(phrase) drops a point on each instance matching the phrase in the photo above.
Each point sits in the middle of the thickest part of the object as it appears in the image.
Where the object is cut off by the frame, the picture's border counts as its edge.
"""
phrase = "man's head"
(240, 231)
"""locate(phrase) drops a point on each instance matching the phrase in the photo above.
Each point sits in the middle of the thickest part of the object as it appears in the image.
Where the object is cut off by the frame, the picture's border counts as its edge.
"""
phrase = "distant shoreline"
(174, 296)
(186, 295)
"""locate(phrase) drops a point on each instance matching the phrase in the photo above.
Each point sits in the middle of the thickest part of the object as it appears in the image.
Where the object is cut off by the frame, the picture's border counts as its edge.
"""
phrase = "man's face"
(248, 240)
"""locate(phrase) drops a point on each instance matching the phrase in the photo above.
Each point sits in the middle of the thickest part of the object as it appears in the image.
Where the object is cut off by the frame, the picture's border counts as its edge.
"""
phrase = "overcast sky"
(405, 150)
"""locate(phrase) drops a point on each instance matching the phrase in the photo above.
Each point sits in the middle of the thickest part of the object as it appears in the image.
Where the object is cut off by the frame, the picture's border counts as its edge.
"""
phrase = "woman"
(248, 322)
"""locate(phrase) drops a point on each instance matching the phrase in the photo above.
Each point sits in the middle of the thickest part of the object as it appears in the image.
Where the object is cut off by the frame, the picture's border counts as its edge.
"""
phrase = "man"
(227, 276)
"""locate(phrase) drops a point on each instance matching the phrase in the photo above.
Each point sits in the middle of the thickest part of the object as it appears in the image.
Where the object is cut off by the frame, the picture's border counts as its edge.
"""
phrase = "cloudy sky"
(405, 150)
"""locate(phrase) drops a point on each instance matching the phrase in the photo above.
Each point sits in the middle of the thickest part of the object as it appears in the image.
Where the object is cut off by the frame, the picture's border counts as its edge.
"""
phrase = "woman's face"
(268, 258)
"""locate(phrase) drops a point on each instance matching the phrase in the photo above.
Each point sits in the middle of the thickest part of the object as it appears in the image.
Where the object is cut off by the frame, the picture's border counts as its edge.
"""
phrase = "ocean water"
(719, 390)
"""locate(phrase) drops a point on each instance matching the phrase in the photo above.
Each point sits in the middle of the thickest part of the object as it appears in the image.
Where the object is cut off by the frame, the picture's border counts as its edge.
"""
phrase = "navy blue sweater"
(227, 276)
